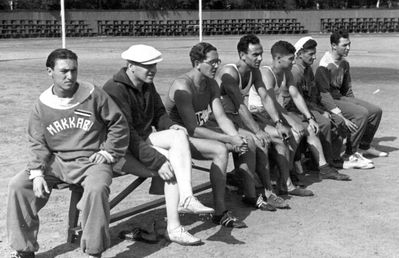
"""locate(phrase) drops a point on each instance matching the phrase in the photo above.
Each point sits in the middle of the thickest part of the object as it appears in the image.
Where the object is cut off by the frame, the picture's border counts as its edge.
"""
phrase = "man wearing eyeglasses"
(190, 101)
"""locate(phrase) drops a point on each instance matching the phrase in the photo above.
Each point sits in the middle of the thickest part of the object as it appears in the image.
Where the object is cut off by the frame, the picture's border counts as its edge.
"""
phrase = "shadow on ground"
(145, 220)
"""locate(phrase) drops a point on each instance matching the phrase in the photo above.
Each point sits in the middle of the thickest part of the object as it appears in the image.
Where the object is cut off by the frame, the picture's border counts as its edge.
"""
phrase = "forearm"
(202, 132)
(272, 108)
(248, 120)
(302, 107)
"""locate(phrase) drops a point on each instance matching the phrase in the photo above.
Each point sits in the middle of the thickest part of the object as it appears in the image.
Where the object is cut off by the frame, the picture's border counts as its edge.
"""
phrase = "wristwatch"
(278, 122)
(311, 118)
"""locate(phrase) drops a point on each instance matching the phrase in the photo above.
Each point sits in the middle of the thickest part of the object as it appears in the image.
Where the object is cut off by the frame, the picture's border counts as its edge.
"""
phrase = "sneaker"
(354, 162)
(328, 172)
(373, 152)
(277, 202)
(258, 203)
(17, 254)
(192, 205)
(228, 220)
(181, 236)
(359, 156)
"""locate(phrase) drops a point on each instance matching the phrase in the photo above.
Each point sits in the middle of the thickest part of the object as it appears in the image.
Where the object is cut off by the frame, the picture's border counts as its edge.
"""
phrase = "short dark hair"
(309, 45)
(199, 51)
(282, 47)
(60, 53)
(244, 42)
(336, 35)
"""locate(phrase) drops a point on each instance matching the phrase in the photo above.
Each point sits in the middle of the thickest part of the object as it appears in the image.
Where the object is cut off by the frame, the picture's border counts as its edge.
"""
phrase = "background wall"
(310, 19)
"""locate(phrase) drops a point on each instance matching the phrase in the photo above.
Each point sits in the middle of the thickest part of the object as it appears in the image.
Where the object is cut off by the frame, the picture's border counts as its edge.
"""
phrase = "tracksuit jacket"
(73, 128)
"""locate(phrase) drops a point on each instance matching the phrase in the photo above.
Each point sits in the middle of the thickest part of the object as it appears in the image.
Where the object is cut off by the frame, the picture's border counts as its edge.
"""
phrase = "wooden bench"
(74, 230)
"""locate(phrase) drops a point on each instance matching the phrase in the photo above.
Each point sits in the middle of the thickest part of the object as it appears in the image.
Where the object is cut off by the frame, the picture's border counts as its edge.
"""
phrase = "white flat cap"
(142, 54)
(300, 43)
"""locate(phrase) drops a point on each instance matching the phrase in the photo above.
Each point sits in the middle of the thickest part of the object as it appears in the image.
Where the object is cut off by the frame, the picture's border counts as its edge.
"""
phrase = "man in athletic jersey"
(232, 78)
(279, 78)
(189, 102)
(332, 127)
(76, 132)
(166, 151)
(333, 79)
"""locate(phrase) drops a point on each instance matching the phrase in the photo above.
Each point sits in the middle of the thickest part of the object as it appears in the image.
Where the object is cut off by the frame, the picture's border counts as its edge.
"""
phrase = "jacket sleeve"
(139, 148)
(322, 79)
(39, 153)
(117, 140)
(161, 119)
(347, 83)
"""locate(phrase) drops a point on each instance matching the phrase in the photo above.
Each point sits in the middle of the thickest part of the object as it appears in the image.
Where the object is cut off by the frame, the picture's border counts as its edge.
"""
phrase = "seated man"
(279, 78)
(235, 81)
(333, 79)
(304, 87)
(166, 150)
(189, 101)
(76, 132)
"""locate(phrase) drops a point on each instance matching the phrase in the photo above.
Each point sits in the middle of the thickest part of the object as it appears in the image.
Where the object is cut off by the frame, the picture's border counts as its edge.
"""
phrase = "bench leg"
(73, 215)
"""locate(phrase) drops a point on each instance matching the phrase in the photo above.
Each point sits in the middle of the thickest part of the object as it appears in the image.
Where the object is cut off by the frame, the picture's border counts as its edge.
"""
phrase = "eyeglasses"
(214, 62)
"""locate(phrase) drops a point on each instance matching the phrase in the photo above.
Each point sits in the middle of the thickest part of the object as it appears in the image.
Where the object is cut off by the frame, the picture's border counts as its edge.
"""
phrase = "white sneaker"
(355, 162)
(192, 205)
(373, 152)
(181, 236)
(359, 156)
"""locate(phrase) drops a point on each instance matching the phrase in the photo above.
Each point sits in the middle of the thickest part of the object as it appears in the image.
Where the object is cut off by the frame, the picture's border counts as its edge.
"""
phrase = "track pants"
(365, 115)
(23, 206)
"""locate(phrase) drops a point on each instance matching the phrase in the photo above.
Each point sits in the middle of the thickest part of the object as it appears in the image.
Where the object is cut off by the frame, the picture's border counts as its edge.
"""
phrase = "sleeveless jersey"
(201, 100)
(228, 104)
(281, 92)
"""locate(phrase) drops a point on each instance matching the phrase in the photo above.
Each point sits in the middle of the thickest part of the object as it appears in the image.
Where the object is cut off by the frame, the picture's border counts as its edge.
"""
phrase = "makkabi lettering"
(69, 123)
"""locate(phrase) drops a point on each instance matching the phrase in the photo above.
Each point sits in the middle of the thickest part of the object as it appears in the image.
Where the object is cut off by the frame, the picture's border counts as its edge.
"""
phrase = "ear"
(241, 54)
(50, 71)
(197, 64)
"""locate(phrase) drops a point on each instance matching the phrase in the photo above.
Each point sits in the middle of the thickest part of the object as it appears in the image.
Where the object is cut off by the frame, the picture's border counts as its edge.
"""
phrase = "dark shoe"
(228, 220)
(298, 192)
(328, 172)
(258, 203)
(17, 254)
(337, 163)
(295, 179)
(277, 202)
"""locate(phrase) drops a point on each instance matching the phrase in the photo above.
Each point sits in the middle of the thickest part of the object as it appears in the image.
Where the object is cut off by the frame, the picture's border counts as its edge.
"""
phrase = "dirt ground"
(344, 219)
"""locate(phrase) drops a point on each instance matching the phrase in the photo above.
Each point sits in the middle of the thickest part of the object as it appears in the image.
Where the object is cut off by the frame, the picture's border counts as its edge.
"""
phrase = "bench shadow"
(377, 143)
(146, 219)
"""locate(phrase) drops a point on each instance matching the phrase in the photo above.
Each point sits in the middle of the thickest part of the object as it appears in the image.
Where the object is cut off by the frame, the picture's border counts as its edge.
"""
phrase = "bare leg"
(315, 147)
(218, 153)
(175, 142)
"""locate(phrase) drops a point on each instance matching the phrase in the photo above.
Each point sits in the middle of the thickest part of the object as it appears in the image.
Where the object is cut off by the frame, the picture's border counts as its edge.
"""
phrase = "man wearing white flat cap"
(328, 123)
(166, 151)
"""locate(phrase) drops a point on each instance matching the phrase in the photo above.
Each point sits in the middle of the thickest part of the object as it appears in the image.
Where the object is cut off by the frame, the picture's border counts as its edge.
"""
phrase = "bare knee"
(220, 152)
(178, 137)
